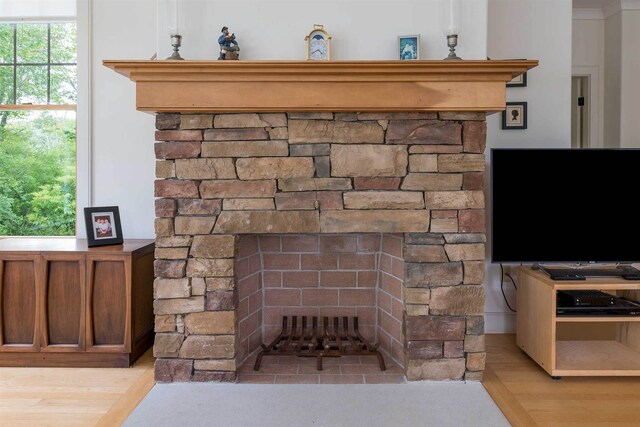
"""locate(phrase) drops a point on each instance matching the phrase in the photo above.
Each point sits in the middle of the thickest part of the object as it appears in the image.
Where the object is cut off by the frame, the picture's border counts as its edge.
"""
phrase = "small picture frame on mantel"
(409, 47)
(518, 81)
(103, 226)
(515, 116)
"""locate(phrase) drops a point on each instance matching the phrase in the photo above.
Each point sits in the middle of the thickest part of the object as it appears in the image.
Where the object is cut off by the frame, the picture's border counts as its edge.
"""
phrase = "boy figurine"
(228, 45)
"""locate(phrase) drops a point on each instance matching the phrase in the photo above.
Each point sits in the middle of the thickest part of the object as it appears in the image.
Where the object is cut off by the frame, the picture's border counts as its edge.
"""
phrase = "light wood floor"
(529, 397)
(523, 391)
(73, 397)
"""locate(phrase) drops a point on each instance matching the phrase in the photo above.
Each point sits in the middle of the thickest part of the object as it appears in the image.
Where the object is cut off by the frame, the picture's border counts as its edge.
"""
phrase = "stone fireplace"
(302, 205)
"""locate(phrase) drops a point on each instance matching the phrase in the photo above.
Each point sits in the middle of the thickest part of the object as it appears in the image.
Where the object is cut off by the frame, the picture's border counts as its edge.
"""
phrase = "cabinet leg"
(556, 378)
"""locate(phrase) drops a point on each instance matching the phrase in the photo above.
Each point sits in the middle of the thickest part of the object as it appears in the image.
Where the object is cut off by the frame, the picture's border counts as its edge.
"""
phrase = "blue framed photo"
(408, 47)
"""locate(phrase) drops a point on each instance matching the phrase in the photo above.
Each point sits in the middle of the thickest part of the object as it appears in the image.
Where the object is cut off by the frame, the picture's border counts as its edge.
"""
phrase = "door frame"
(595, 118)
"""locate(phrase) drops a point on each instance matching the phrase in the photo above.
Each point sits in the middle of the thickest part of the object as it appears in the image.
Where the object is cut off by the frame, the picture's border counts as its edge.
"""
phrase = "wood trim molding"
(584, 14)
(28, 107)
(280, 86)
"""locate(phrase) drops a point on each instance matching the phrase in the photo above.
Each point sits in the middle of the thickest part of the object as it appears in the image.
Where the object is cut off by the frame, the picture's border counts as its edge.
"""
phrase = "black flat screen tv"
(565, 205)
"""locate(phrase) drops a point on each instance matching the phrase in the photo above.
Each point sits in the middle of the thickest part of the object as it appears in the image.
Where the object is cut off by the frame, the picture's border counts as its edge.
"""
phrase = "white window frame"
(82, 106)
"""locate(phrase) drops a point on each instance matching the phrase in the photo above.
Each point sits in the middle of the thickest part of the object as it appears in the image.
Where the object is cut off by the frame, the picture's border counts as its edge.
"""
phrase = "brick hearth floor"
(336, 370)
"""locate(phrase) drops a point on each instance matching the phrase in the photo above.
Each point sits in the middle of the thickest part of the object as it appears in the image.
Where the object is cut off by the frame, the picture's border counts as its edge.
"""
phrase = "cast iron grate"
(331, 339)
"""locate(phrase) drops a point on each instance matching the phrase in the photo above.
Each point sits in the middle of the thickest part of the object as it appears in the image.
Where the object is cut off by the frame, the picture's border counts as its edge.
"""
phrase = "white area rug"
(394, 405)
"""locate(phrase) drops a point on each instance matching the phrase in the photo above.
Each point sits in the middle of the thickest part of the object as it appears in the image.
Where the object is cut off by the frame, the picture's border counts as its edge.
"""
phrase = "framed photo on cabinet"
(103, 226)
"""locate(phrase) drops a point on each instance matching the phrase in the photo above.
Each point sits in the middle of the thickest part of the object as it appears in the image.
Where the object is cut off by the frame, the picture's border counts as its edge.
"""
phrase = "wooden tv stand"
(576, 346)
(65, 304)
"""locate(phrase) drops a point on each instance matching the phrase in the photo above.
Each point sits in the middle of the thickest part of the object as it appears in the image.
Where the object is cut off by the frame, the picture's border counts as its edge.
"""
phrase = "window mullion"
(15, 64)
(48, 63)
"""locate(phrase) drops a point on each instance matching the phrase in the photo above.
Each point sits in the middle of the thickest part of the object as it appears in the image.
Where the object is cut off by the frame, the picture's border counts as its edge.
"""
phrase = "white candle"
(454, 17)
(178, 16)
(173, 13)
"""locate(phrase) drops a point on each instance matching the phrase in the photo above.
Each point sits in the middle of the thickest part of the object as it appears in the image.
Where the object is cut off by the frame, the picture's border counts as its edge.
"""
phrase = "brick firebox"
(278, 186)
(321, 275)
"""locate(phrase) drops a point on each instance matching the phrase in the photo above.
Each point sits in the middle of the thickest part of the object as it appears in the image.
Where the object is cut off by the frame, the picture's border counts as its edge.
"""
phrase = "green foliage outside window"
(37, 148)
(38, 63)
(37, 174)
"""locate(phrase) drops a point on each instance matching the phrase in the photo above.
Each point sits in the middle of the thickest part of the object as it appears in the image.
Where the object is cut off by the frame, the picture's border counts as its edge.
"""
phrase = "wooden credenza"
(65, 304)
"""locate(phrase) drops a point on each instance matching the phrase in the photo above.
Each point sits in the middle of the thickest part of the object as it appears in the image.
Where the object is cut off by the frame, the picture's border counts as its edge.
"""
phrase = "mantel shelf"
(279, 86)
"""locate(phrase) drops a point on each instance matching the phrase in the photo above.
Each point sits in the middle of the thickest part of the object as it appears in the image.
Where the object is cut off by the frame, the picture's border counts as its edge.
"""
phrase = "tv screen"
(569, 206)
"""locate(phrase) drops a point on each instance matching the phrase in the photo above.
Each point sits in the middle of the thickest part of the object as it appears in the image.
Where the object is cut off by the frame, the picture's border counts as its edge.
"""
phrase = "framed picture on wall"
(103, 226)
(408, 47)
(515, 116)
(519, 81)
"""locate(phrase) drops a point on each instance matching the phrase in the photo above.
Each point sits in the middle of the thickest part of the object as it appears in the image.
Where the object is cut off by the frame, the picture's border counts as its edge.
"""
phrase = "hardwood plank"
(518, 384)
(505, 400)
(128, 402)
(51, 419)
(46, 393)
(73, 396)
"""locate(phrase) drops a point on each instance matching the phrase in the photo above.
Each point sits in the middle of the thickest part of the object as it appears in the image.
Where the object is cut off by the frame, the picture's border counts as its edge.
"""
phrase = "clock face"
(318, 46)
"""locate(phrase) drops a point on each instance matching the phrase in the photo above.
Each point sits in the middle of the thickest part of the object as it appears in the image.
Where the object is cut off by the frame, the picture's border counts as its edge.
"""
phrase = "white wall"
(122, 159)
(630, 73)
(588, 42)
(612, 82)
(121, 139)
(118, 148)
(588, 58)
(536, 29)
(360, 29)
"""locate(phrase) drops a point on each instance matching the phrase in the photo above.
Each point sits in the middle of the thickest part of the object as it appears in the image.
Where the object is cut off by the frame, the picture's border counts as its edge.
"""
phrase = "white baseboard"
(500, 323)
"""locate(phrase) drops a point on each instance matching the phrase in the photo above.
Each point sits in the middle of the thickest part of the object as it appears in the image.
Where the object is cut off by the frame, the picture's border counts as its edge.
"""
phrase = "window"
(37, 129)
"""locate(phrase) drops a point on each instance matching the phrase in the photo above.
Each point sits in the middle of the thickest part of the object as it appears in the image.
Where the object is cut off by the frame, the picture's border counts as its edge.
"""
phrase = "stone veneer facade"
(416, 175)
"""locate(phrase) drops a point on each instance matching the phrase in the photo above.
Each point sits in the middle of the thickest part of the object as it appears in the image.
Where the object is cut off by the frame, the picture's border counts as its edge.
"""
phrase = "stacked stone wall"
(225, 175)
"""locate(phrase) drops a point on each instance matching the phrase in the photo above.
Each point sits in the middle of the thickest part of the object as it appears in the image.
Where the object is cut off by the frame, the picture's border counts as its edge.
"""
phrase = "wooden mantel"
(278, 86)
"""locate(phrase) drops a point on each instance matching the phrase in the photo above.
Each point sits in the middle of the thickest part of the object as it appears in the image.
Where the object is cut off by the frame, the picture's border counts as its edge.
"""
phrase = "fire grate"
(331, 339)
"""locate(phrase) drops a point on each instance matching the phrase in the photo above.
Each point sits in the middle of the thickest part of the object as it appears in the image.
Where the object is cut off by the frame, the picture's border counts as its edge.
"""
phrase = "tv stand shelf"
(576, 345)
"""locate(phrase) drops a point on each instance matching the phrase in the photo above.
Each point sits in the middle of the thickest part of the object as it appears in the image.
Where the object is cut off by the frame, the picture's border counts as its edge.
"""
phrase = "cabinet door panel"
(64, 294)
(18, 316)
(109, 285)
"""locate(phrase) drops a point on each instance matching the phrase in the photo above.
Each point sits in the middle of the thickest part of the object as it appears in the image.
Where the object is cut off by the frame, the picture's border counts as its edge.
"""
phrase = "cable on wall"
(502, 274)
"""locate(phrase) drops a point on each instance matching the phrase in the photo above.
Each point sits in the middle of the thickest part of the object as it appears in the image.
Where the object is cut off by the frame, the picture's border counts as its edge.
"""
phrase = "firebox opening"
(352, 275)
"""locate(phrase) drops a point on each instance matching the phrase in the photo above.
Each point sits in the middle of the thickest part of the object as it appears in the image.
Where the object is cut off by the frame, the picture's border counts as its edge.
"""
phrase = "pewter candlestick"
(452, 42)
(176, 42)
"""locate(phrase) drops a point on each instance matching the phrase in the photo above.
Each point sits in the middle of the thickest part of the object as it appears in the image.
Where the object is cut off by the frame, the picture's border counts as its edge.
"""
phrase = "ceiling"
(590, 4)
